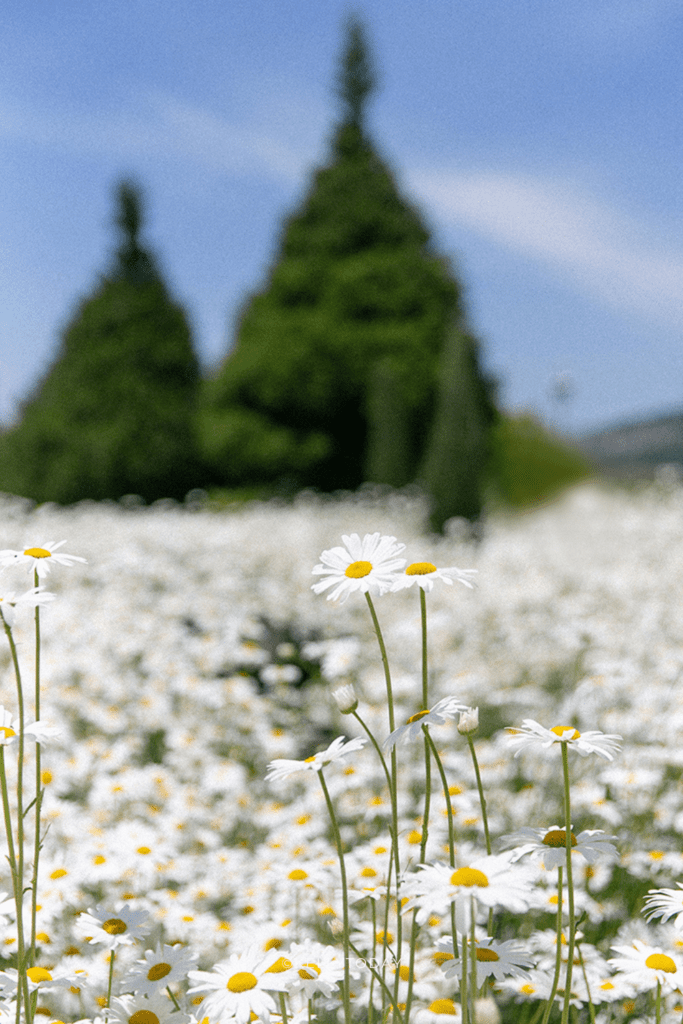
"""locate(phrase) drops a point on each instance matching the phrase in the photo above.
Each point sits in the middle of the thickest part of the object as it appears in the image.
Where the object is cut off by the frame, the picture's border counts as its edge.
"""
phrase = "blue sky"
(541, 140)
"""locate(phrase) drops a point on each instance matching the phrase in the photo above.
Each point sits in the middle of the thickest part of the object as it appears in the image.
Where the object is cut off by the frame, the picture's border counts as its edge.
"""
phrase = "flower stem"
(558, 947)
(345, 898)
(482, 800)
(425, 671)
(571, 925)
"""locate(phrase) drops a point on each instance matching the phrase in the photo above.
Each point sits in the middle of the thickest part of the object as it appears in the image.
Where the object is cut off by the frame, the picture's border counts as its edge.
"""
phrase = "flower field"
(189, 657)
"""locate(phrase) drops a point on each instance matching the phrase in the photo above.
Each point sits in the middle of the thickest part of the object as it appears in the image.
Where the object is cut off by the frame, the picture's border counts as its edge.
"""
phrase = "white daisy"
(39, 557)
(423, 574)
(158, 969)
(9, 729)
(441, 712)
(549, 844)
(665, 903)
(368, 565)
(139, 1009)
(317, 968)
(642, 966)
(281, 767)
(32, 597)
(532, 734)
(487, 881)
(240, 986)
(494, 959)
(113, 928)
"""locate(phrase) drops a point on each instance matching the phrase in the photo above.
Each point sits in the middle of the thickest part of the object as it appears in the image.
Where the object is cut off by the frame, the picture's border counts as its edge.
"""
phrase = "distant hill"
(635, 449)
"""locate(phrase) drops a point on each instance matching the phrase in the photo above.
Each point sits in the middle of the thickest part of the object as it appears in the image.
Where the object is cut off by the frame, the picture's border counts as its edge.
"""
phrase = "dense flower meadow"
(233, 802)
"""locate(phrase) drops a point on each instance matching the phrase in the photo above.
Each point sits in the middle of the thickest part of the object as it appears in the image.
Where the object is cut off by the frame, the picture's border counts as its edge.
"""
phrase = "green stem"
(446, 793)
(425, 671)
(658, 1003)
(345, 898)
(379, 978)
(464, 998)
(19, 849)
(571, 938)
(177, 1004)
(283, 1007)
(394, 774)
(482, 800)
(39, 790)
(112, 957)
(558, 947)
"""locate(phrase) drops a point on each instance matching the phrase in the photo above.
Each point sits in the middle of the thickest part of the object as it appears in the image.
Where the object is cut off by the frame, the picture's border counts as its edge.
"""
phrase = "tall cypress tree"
(115, 414)
(332, 379)
(458, 451)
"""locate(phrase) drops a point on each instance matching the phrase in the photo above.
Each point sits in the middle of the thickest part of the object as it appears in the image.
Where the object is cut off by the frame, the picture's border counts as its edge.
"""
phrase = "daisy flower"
(665, 903)
(423, 574)
(642, 966)
(317, 968)
(441, 712)
(495, 959)
(159, 968)
(549, 844)
(117, 928)
(139, 1009)
(32, 597)
(281, 767)
(40, 557)
(489, 881)
(240, 986)
(368, 565)
(9, 729)
(532, 734)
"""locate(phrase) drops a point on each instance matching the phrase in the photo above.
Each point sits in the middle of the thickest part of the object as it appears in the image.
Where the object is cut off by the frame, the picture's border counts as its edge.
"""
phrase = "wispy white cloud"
(601, 250)
(159, 125)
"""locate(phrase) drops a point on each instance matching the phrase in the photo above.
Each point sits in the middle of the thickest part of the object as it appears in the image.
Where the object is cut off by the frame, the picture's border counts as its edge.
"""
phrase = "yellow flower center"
(115, 926)
(7, 732)
(558, 837)
(272, 944)
(37, 974)
(37, 553)
(280, 965)
(309, 759)
(420, 569)
(404, 972)
(469, 877)
(368, 873)
(242, 982)
(58, 873)
(297, 875)
(357, 570)
(143, 1017)
(99, 859)
(303, 973)
(442, 957)
(144, 850)
(661, 962)
(445, 1006)
(559, 729)
(416, 717)
(487, 956)
(158, 972)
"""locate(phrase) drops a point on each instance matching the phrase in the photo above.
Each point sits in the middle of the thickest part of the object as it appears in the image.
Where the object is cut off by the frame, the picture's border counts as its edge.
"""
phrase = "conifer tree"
(332, 378)
(458, 452)
(115, 413)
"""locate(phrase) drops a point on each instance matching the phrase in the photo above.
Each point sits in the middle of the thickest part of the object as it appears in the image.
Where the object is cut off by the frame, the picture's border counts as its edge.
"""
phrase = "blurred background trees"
(354, 363)
(115, 413)
(335, 375)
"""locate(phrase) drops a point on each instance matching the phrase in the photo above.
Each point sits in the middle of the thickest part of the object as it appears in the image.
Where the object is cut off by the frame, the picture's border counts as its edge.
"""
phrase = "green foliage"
(346, 332)
(115, 413)
(528, 464)
(458, 452)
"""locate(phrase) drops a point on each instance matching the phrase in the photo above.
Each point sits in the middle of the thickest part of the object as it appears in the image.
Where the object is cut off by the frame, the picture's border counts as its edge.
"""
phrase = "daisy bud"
(345, 698)
(468, 721)
(487, 1012)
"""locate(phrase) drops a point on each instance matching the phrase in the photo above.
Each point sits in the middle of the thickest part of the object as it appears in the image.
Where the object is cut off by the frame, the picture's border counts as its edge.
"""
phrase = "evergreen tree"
(458, 452)
(115, 413)
(333, 376)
